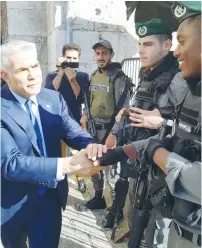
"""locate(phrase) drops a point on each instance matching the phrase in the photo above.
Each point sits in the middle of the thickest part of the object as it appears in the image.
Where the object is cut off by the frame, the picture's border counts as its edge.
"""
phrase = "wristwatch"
(114, 132)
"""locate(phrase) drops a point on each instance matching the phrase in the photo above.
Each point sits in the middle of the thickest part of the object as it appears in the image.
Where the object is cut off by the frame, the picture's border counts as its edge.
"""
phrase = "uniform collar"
(194, 85)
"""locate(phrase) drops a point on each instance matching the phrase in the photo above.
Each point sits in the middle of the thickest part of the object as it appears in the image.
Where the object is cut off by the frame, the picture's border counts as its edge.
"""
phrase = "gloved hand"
(113, 156)
(153, 145)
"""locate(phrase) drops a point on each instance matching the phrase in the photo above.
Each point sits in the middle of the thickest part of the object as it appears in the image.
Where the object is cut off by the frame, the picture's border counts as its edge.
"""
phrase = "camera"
(66, 64)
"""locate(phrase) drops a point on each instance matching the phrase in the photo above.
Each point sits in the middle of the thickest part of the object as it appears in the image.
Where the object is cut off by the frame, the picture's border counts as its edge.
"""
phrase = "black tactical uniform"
(156, 89)
(183, 164)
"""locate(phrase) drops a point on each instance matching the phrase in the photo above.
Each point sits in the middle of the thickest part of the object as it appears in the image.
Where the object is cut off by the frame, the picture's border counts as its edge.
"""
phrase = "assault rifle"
(142, 195)
(122, 184)
(90, 123)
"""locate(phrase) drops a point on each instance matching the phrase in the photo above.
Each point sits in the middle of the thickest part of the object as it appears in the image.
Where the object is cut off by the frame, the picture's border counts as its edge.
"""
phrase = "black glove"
(112, 156)
(155, 144)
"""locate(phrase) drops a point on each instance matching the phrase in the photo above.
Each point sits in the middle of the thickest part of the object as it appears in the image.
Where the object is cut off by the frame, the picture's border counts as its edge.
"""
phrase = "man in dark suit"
(34, 121)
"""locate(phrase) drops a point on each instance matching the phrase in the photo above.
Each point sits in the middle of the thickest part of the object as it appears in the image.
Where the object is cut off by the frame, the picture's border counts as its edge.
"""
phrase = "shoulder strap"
(93, 73)
(162, 83)
(165, 79)
(117, 74)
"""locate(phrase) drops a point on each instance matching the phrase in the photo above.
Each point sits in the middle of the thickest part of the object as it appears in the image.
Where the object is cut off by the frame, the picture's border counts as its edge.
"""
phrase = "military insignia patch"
(101, 108)
(179, 11)
(142, 30)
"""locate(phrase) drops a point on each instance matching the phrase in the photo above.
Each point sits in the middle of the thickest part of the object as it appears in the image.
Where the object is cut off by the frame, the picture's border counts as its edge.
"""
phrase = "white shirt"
(21, 100)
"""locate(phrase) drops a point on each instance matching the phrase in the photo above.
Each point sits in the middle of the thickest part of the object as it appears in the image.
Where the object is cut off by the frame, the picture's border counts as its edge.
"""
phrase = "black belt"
(100, 126)
(186, 234)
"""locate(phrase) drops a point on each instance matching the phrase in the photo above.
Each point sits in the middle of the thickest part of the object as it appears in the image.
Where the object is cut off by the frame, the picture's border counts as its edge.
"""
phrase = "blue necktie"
(28, 105)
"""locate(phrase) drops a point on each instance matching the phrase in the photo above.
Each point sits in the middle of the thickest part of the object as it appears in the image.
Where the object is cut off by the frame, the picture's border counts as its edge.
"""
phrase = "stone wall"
(56, 31)
(4, 22)
(52, 24)
(27, 21)
(106, 19)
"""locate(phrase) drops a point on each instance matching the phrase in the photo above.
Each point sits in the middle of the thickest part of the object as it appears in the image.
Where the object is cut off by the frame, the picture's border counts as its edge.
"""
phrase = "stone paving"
(82, 229)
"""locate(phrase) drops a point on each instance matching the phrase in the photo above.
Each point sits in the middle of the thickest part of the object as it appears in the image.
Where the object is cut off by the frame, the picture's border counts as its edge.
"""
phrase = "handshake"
(85, 162)
(91, 160)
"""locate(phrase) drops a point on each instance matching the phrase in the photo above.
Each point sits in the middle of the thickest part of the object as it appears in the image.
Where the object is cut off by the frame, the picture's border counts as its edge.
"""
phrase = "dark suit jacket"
(22, 168)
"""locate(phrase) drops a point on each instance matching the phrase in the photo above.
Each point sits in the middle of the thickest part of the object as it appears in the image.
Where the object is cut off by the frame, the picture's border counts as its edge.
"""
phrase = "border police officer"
(160, 91)
(183, 164)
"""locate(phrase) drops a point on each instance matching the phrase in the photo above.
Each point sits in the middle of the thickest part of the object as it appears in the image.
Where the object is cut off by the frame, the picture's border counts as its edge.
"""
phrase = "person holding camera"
(70, 83)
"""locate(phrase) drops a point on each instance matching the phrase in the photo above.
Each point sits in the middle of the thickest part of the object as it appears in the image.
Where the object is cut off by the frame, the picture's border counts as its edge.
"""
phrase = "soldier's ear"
(168, 44)
(112, 54)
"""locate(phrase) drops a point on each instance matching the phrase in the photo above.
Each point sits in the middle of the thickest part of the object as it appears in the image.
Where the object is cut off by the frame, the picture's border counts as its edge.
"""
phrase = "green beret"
(153, 27)
(185, 9)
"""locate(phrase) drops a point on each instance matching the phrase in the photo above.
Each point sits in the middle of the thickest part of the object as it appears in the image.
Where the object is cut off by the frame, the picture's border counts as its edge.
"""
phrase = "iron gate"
(131, 67)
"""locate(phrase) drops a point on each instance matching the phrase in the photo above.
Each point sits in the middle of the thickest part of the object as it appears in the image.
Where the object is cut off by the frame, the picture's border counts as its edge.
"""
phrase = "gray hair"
(11, 48)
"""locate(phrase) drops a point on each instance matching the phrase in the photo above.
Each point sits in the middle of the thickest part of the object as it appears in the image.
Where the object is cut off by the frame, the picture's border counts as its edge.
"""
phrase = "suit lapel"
(18, 114)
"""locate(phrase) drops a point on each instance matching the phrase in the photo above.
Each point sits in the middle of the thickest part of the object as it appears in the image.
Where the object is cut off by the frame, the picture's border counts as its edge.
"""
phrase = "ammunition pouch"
(163, 201)
(187, 149)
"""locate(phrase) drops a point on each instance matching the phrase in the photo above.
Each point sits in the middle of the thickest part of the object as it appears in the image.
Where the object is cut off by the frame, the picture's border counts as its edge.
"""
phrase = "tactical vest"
(147, 96)
(102, 99)
(187, 143)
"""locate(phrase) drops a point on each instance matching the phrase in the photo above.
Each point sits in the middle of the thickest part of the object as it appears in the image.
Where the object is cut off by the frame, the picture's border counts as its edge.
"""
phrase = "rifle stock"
(142, 202)
(91, 128)
(90, 122)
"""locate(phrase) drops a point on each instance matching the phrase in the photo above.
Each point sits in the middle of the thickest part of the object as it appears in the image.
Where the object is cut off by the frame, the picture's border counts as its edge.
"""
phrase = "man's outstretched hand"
(95, 151)
(80, 165)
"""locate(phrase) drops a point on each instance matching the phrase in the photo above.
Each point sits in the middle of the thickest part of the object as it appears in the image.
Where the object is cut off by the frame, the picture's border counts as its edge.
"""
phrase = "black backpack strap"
(120, 103)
